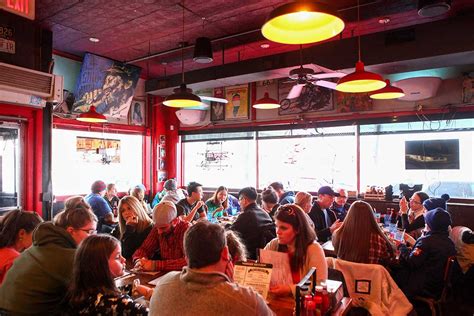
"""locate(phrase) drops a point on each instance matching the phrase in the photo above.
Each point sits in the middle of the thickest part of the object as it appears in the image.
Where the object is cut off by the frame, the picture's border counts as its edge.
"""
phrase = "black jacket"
(340, 215)
(255, 227)
(132, 240)
(317, 215)
(423, 267)
(287, 198)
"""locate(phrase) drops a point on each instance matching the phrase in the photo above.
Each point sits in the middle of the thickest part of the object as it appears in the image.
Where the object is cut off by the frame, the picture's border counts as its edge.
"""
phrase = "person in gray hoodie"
(205, 285)
(38, 280)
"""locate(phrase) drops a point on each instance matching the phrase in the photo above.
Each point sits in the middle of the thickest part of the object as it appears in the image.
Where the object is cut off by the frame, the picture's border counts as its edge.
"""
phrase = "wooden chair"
(435, 304)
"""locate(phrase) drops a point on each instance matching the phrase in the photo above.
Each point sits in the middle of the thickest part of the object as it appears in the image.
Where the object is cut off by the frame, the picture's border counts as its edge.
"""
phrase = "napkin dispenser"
(335, 292)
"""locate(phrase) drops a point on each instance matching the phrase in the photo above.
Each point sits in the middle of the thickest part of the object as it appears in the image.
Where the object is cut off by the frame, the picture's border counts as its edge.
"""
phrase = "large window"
(9, 166)
(305, 159)
(80, 158)
(215, 160)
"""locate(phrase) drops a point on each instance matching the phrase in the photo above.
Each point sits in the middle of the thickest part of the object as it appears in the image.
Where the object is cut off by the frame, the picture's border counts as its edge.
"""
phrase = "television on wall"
(432, 154)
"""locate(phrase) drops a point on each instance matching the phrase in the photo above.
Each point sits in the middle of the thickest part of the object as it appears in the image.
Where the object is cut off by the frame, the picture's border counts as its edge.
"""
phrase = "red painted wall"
(31, 146)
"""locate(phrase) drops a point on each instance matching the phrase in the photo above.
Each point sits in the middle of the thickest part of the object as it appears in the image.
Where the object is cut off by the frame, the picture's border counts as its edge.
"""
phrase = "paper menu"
(254, 275)
(281, 273)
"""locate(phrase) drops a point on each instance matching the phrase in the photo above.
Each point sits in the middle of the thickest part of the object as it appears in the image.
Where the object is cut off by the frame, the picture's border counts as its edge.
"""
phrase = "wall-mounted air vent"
(26, 81)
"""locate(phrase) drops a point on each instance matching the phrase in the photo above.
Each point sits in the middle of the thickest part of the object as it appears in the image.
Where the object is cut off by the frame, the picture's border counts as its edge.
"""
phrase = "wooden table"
(285, 306)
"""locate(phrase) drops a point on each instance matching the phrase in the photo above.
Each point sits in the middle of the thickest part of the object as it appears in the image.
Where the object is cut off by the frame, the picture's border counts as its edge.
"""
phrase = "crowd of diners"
(68, 265)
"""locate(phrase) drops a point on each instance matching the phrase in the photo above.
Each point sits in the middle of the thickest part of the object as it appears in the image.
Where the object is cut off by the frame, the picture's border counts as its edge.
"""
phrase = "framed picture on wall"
(136, 115)
(237, 107)
(162, 140)
(217, 111)
(162, 152)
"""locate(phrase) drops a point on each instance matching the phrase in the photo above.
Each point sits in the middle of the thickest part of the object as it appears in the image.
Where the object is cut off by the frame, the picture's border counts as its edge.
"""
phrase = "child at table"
(97, 262)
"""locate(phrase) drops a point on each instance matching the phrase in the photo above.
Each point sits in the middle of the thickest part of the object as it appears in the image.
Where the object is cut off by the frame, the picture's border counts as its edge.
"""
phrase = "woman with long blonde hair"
(360, 239)
(134, 225)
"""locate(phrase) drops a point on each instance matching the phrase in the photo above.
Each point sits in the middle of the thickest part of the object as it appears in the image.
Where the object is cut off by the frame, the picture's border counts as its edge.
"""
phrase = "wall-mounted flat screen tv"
(432, 154)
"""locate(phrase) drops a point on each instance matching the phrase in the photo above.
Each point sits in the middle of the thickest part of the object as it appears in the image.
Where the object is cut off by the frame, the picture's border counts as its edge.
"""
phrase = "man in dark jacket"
(284, 197)
(254, 225)
(423, 266)
(325, 221)
(340, 205)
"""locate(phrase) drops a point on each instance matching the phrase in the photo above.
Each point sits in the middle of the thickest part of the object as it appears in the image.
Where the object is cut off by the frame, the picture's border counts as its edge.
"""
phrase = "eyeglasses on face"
(88, 231)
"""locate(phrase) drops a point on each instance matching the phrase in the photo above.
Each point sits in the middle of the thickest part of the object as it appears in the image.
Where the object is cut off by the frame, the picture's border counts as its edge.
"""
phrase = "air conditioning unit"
(26, 86)
(191, 117)
(418, 88)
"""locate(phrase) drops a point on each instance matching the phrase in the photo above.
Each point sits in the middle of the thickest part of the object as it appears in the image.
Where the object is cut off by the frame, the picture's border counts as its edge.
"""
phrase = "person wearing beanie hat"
(422, 268)
(166, 237)
(433, 203)
(99, 205)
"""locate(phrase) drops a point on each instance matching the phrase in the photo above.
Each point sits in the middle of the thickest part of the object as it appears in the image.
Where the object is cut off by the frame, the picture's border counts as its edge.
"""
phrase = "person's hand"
(144, 291)
(335, 226)
(199, 204)
(131, 220)
(281, 290)
(144, 264)
(229, 270)
(403, 205)
(219, 209)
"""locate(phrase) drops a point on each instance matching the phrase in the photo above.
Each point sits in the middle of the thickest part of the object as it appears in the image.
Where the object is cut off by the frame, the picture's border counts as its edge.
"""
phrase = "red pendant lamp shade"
(388, 92)
(266, 103)
(360, 81)
(92, 116)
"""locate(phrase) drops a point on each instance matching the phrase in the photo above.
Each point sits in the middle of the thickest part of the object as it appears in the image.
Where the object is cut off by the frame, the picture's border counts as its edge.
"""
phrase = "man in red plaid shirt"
(166, 236)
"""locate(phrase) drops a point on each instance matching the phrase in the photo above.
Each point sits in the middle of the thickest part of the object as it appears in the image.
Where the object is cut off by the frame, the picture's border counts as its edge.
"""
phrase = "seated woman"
(92, 290)
(360, 239)
(305, 201)
(43, 272)
(139, 193)
(111, 197)
(16, 233)
(218, 204)
(422, 267)
(134, 225)
(295, 237)
(412, 213)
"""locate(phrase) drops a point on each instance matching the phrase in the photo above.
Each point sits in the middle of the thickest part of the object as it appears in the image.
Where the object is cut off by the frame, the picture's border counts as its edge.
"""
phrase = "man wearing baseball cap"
(166, 237)
(325, 221)
(99, 205)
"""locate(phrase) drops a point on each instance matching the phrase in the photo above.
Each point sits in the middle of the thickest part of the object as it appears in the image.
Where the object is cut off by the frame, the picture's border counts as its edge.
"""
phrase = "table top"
(284, 306)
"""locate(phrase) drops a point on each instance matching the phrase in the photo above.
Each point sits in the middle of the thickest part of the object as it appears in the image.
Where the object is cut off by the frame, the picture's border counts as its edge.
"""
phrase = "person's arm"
(189, 218)
(149, 246)
(416, 257)
(169, 265)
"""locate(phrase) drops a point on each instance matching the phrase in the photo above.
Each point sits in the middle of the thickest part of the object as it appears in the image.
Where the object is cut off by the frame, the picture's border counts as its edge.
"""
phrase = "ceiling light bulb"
(94, 39)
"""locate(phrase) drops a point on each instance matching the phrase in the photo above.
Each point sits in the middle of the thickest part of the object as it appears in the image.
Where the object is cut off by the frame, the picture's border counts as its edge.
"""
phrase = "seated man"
(205, 286)
(340, 205)
(166, 237)
(270, 202)
(422, 268)
(254, 225)
(99, 205)
(284, 197)
(412, 211)
(325, 221)
(192, 207)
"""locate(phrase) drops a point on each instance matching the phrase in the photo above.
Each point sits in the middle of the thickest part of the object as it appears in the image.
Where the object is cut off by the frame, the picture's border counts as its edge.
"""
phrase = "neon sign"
(24, 8)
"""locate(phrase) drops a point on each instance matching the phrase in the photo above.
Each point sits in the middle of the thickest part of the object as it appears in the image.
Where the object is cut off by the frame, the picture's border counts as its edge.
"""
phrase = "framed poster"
(353, 102)
(217, 111)
(136, 115)
(237, 107)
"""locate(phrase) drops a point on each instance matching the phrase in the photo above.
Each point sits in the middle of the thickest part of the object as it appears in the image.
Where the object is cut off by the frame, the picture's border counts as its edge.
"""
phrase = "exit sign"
(24, 8)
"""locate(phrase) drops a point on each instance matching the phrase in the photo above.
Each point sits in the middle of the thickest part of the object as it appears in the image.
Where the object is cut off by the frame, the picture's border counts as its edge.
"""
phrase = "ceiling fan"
(304, 76)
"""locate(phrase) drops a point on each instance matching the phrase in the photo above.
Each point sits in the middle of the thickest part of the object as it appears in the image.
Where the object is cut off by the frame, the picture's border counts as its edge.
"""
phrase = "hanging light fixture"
(302, 22)
(92, 116)
(360, 80)
(266, 103)
(387, 92)
(203, 51)
(182, 97)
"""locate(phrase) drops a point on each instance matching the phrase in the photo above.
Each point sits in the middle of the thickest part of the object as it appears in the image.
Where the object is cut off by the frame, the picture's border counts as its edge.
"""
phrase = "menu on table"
(254, 275)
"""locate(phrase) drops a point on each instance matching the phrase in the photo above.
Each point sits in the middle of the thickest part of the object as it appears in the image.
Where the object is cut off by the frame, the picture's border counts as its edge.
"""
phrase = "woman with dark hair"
(40, 276)
(360, 239)
(16, 233)
(92, 291)
(218, 204)
(134, 225)
(295, 237)
(412, 211)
